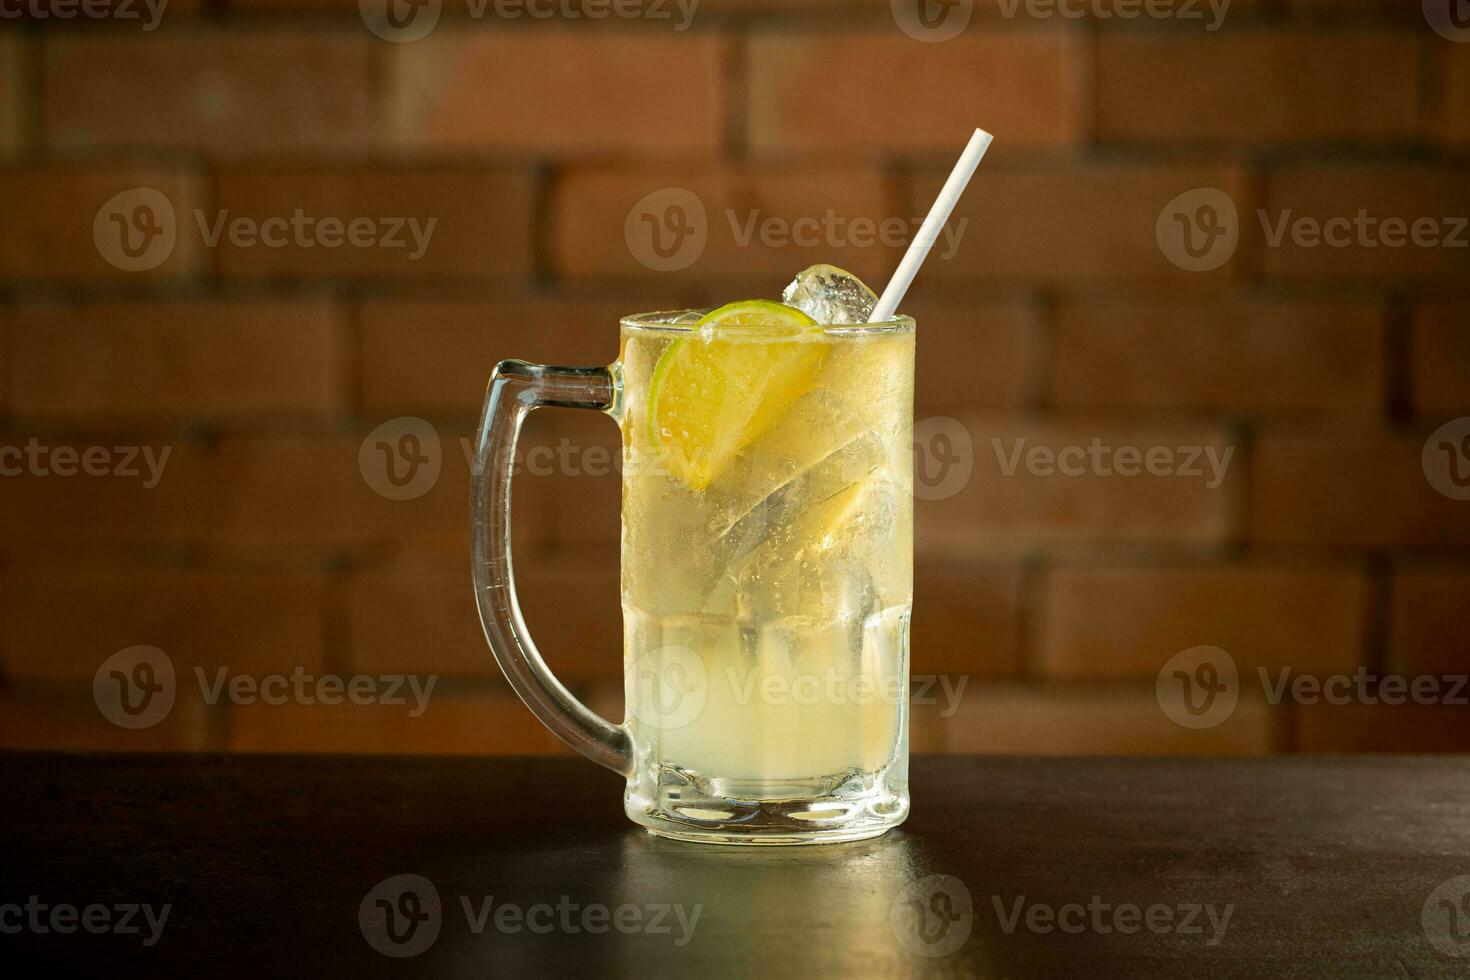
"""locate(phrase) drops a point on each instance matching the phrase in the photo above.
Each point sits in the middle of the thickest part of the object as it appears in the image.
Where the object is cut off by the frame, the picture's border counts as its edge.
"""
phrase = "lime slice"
(710, 398)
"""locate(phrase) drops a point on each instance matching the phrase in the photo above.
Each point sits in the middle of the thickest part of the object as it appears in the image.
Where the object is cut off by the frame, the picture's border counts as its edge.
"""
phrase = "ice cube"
(810, 507)
(798, 598)
(828, 294)
(789, 509)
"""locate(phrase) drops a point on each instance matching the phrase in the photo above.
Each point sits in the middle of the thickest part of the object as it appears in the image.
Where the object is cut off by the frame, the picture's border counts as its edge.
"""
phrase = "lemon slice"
(710, 398)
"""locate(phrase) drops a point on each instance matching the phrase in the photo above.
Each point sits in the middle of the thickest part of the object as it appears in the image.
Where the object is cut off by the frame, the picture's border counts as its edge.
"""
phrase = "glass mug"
(767, 574)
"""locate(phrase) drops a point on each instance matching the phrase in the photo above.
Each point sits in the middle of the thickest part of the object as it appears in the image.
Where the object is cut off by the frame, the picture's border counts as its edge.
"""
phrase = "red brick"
(1457, 94)
(1362, 489)
(574, 611)
(455, 12)
(116, 361)
(973, 354)
(46, 719)
(1128, 622)
(612, 92)
(1080, 720)
(38, 507)
(1252, 86)
(1427, 620)
(1332, 11)
(438, 356)
(419, 615)
(14, 65)
(1070, 223)
(305, 497)
(482, 223)
(568, 483)
(792, 8)
(125, 15)
(1406, 193)
(294, 6)
(1381, 728)
(252, 7)
(999, 514)
(228, 93)
(5, 369)
(1222, 357)
(1026, 86)
(1441, 360)
(451, 724)
(303, 494)
(49, 222)
(574, 482)
(814, 13)
(63, 623)
(1193, 18)
(966, 618)
(591, 208)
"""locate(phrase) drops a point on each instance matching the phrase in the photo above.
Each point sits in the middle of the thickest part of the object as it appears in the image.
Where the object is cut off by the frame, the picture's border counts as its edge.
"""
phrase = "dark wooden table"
(275, 866)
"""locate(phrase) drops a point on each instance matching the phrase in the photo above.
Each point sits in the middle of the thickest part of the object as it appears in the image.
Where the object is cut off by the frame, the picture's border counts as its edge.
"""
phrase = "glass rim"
(661, 321)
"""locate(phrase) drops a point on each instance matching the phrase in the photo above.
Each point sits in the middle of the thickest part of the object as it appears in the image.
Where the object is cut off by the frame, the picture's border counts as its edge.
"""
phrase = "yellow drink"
(767, 572)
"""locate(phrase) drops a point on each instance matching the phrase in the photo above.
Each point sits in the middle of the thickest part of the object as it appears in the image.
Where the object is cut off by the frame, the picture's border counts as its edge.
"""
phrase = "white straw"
(928, 234)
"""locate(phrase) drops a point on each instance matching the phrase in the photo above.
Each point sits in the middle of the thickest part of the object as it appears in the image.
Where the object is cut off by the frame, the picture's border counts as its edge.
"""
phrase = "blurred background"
(1194, 359)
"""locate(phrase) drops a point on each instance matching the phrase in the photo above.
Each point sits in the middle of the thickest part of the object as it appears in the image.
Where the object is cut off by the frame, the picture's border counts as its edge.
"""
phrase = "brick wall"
(1136, 270)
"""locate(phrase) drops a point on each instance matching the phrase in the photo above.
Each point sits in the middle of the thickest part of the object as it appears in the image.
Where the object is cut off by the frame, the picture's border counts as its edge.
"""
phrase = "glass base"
(849, 806)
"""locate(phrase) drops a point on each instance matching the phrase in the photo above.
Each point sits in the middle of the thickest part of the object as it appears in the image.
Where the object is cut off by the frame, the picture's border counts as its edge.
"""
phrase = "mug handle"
(516, 389)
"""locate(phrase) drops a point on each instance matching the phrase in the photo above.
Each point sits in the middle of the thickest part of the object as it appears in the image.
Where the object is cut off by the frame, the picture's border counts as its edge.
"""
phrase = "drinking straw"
(928, 234)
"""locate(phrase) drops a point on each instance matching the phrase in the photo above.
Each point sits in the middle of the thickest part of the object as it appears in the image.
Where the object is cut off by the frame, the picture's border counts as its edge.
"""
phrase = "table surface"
(1053, 867)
